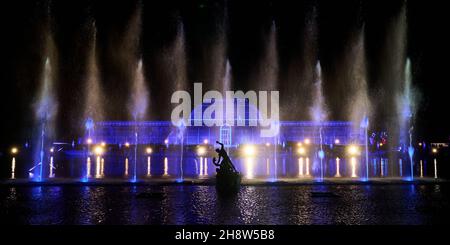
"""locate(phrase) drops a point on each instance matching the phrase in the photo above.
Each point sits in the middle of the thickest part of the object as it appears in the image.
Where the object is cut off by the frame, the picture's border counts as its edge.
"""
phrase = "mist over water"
(318, 110)
(94, 98)
(359, 103)
(267, 78)
(407, 106)
(139, 95)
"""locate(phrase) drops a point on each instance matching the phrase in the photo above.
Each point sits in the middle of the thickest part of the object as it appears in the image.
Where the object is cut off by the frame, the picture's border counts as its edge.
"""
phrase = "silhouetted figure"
(226, 164)
(228, 179)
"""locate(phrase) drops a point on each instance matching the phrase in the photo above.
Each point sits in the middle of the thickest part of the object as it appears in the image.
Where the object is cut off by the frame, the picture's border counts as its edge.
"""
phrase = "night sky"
(246, 24)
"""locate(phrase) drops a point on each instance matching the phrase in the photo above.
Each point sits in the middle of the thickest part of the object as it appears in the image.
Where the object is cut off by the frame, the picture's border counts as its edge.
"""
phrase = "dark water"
(351, 204)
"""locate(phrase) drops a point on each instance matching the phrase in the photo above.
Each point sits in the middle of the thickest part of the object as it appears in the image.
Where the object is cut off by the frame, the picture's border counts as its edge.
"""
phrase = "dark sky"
(246, 25)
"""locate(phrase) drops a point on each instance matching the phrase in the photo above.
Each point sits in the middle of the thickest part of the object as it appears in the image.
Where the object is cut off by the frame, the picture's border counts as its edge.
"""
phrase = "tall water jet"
(45, 110)
(267, 79)
(139, 104)
(175, 58)
(392, 76)
(318, 112)
(359, 106)
(138, 101)
(407, 107)
(93, 104)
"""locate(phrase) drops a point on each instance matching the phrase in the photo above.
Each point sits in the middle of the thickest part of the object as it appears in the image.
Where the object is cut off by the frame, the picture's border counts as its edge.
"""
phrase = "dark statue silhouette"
(228, 179)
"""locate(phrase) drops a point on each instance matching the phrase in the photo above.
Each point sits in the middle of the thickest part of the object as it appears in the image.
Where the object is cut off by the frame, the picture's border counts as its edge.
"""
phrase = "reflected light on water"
(435, 169)
(166, 166)
(300, 167)
(338, 174)
(13, 168)
(267, 167)
(307, 166)
(249, 167)
(52, 167)
(88, 167)
(102, 167)
(201, 166)
(353, 165)
(98, 167)
(205, 166)
(148, 167)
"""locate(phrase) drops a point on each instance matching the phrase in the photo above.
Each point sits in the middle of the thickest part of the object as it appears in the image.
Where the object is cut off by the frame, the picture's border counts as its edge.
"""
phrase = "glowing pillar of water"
(435, 169)
(102, 167)
(41, 169)
(353, 165)
(421, 169)
(307, 167)
(205, 166)
(88, 167)
(249, 167)
(135, 154)
(411, 154)
(300, 167)
(400, 165)
(13, 168)
(51, 174)
(201, 166)
(126, 166)
(98, 167)
(149, 167)
(338, 174)
(321, 154)
(166, 166)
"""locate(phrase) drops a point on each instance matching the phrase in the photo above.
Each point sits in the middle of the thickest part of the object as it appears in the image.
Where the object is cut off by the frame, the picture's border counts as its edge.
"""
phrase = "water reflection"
(149, 167)
(351, 204)
(435, 169)
(353, 166)
(88, 167)
(166, 166)
(421, 168)
(13, 168)
(338, 174)
(249, 167)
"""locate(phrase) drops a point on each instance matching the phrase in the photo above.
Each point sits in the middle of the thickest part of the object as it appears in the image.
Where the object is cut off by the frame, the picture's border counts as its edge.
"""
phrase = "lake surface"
(200, 204)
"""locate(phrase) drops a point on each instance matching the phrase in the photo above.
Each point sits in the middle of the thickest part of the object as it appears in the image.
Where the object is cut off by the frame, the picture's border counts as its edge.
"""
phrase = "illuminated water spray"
(88, 167)
(45, 109)
(318, 112)
(13, 168)
(408, 111)
(353, 167)
(166, 166)
(338, 174)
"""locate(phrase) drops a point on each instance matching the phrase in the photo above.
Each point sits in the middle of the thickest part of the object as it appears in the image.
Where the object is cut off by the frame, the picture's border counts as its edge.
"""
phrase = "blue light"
(272, 180)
